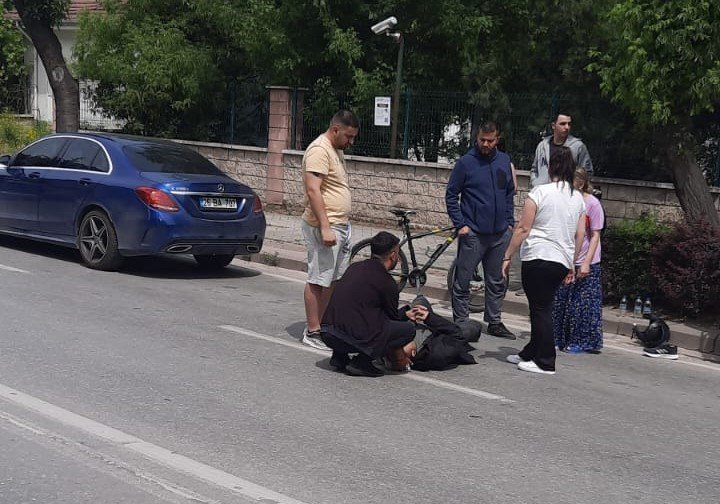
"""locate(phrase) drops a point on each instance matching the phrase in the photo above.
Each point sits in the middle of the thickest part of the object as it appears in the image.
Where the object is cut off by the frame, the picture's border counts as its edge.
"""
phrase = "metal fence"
(245, 120)
(241, 119)
(16, 98)
(93, 117)
(438, 126)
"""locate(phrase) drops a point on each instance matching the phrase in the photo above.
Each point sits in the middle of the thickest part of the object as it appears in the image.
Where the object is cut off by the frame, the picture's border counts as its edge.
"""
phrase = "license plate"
(218, 203)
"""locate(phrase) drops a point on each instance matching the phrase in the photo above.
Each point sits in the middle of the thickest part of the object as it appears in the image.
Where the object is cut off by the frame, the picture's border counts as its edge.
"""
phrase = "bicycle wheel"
(361, 251)
(477, 286)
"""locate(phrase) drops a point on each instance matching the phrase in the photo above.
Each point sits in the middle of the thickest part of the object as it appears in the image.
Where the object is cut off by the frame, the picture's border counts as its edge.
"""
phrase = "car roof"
(118, 138)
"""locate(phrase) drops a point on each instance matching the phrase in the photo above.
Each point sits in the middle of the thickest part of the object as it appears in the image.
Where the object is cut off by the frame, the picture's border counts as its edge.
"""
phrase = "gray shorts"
(326, 264)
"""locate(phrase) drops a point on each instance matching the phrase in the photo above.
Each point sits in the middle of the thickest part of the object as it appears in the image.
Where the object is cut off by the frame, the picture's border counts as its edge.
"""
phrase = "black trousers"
(540, 280)
(400, 333)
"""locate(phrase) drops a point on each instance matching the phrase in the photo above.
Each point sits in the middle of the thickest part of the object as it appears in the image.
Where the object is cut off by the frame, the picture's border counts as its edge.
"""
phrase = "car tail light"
(157, 199)
(257, 205)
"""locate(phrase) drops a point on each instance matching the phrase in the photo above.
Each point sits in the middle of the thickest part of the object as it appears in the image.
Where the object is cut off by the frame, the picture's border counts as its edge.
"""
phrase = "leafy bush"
(626, 258)
(686, 267)
(14, 133)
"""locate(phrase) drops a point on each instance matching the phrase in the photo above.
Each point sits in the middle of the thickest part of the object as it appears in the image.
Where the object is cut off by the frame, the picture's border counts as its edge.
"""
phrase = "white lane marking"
(283, 277)
(22, 425)
(410, 376)
(273, 339)
(10, 268)
(149, 450)
(170, 487)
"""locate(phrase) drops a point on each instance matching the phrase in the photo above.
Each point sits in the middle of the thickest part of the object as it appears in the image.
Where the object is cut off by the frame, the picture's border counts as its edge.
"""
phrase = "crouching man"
(363, 317)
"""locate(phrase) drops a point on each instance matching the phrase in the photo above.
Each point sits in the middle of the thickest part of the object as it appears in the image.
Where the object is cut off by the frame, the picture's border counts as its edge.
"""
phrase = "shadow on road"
(295, 330)
(180, 268)
(165, 266)
(498, 354)
(41, 249)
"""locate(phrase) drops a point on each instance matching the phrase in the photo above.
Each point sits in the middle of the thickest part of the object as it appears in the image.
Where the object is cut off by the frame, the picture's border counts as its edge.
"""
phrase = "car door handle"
(34, 175)
(84, 181)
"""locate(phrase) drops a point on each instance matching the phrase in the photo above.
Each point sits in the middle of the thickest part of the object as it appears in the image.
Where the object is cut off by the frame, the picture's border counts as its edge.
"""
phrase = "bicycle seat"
(401, 212)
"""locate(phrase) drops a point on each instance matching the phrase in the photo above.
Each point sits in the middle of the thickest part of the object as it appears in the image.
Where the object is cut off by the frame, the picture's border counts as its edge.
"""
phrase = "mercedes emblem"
(221, 188)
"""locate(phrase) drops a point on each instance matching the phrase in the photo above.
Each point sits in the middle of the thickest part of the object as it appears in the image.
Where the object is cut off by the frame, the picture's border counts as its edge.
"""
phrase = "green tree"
(12, 64)
(38, 18)
(662, 62)
(165, 67)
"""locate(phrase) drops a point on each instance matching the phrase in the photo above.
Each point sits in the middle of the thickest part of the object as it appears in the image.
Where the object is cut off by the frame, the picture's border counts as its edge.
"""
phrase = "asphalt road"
(164, 384)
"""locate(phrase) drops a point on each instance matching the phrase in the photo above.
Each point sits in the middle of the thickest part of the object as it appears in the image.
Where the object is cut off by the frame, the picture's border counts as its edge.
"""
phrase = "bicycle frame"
(417, 276)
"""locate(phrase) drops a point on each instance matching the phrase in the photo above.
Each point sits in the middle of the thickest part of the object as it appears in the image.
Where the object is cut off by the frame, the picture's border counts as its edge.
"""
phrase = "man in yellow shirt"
(325, 221)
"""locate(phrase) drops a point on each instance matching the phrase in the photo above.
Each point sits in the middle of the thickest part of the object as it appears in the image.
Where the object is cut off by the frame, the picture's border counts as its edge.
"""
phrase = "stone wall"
(379, 184)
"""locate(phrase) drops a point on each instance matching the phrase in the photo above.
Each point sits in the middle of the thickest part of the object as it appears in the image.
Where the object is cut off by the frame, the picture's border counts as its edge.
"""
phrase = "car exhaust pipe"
(253, 249)
(179, 249)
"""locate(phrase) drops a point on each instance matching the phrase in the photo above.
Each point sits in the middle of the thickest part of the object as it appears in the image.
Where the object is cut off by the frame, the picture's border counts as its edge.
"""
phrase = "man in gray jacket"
(561, 137)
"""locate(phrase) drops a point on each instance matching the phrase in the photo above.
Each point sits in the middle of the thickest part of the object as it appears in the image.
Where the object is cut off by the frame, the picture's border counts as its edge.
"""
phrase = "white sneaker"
(531, 367)
(312, 339)
(514, 359)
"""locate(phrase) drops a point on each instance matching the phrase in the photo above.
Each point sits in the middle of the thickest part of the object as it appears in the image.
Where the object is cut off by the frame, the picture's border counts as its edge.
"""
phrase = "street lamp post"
(396, 99)
(383, 28)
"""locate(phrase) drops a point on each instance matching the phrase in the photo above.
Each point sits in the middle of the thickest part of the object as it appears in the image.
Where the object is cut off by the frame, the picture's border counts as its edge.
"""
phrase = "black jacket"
(365, 299)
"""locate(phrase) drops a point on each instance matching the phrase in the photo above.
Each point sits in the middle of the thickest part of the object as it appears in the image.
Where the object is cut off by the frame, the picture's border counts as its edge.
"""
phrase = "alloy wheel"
(94, 239)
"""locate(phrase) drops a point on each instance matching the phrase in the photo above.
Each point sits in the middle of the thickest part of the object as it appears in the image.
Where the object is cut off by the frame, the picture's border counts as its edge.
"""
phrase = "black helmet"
(655, 335)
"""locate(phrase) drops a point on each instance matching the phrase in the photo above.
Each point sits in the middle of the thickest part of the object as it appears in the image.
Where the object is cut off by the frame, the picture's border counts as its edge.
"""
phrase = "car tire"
(213, 262)
(98, 243)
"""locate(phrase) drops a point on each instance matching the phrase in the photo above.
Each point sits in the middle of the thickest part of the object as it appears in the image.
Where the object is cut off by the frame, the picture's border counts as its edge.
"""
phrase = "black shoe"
(339, 361)
(499, 330)
(662, 352)
(361, 365)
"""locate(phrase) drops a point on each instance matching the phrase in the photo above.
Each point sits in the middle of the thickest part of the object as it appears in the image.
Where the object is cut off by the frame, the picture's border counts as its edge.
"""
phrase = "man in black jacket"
(363, 317)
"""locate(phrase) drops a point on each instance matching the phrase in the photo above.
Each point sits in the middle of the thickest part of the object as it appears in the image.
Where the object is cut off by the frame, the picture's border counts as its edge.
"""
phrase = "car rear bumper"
(204, 247)
(181, 234)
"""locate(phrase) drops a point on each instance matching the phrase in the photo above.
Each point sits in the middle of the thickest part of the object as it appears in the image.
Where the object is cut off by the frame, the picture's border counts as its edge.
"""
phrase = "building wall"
(42, 106)
(379, 184)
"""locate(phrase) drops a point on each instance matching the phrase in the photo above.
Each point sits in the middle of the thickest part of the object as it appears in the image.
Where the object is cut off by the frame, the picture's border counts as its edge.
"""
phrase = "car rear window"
(169, 159)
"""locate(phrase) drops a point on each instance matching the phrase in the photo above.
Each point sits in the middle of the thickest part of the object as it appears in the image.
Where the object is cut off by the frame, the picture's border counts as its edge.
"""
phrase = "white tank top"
(552, 237)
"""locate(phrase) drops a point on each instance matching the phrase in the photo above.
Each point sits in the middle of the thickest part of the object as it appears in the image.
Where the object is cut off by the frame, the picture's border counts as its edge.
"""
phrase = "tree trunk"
(64, 86)
(690, 186)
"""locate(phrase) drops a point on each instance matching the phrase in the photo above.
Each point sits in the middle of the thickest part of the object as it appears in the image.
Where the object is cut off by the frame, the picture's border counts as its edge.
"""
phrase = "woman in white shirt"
(551, 231)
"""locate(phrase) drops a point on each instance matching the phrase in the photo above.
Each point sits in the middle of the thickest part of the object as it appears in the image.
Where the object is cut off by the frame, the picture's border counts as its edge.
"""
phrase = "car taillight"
(157, 199)
(257, 205)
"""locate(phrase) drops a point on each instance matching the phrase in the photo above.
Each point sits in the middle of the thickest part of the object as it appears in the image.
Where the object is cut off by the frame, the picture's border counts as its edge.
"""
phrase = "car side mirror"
(5, 159)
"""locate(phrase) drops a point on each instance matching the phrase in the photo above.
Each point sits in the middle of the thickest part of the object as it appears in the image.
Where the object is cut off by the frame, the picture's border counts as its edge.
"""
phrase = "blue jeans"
(472, 249)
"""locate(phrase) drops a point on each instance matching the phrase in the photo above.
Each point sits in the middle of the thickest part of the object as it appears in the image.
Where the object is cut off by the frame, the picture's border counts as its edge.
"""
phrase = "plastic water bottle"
(647, 307)
(623, 305)
(637, 311)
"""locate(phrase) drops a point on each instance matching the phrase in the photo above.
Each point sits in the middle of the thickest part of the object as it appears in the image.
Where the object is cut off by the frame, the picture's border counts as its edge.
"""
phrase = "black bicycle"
(417, 276)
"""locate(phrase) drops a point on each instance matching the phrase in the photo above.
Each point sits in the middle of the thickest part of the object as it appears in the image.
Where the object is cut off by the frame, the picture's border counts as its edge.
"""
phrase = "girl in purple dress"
(577, 311)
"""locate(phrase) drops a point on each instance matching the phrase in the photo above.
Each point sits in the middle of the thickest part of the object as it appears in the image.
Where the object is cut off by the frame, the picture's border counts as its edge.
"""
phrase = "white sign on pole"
(382, 111)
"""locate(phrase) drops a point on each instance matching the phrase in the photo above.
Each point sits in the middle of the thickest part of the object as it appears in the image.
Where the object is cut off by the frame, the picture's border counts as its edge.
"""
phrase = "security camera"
(384, 26)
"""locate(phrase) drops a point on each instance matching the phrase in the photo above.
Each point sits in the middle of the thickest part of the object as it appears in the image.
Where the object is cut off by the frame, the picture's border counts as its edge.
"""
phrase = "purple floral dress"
(577, 310)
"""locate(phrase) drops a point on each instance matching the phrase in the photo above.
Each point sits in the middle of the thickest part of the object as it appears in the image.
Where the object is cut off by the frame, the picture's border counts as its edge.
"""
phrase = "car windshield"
(167, 158)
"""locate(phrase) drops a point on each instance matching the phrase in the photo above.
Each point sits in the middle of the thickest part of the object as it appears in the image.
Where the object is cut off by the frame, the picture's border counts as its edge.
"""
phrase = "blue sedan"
(113, 196)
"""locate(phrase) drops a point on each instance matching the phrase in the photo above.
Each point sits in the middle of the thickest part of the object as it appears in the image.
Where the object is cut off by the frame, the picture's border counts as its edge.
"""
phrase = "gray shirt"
(541, 162)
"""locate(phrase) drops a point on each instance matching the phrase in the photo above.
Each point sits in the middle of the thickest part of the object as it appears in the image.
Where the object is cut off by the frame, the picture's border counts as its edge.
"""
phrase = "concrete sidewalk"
(284, 247)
